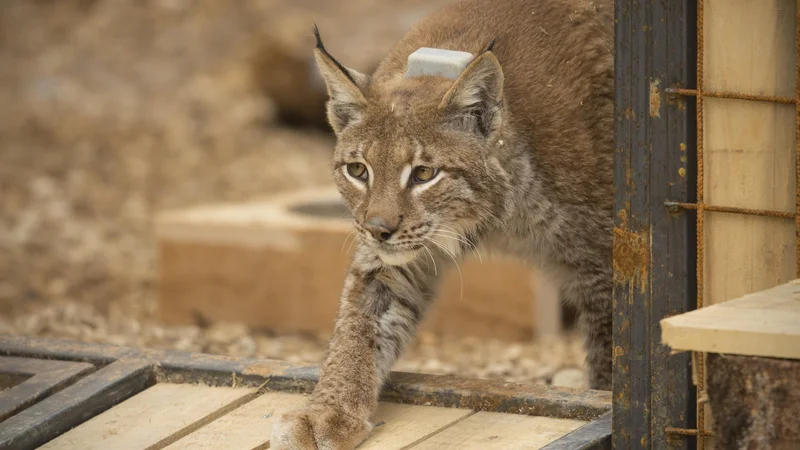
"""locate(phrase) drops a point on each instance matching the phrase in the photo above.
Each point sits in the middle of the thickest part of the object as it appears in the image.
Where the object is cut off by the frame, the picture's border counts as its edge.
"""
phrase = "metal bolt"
(673, 207)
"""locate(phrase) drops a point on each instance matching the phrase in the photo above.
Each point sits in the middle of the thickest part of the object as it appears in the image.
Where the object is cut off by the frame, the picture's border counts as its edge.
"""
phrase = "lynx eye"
(357, 170)
(423, 174)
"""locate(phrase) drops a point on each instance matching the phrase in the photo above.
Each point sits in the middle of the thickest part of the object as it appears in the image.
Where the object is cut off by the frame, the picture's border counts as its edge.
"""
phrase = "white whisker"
(435, 271)
(355, 237)
(472, 247)
(463, 239)
(448, 253)
(346, 238)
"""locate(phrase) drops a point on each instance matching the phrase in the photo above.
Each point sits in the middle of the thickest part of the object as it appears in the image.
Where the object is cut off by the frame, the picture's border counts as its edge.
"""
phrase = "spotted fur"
(523, 143)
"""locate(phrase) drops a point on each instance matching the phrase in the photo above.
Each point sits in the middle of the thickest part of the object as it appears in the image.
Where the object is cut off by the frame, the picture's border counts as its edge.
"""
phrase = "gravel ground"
(112, 111)
(555, 361)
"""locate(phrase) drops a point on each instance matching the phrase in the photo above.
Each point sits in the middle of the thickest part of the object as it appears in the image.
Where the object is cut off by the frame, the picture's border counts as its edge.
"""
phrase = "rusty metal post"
(654, 245)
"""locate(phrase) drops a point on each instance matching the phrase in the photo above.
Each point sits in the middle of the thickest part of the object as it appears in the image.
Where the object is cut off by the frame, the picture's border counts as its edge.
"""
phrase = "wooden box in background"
(280, 264)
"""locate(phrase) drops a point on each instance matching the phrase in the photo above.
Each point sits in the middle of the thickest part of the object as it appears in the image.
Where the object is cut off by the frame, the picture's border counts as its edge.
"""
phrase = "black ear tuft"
(319, 38)
(488, 48)
(321, 48)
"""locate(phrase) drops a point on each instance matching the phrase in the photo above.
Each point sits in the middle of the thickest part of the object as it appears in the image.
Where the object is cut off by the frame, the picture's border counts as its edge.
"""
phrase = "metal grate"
(701, 208)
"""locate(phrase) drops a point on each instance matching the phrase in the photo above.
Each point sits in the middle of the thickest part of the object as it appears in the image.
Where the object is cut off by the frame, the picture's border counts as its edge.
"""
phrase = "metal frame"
(653, 247)
(662, 42)
(595, 435)
(700, 207)
(123, 372)
(41, 422)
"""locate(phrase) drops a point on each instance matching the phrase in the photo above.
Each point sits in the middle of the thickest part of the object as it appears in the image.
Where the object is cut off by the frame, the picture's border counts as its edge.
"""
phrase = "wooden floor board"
(398, 426)
(154, 418)
(500, 431)
(245, 428)
(184, 417)
(248, 427)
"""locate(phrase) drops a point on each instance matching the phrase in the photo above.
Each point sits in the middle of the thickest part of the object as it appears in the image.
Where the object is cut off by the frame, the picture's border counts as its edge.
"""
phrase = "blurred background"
(207, 117)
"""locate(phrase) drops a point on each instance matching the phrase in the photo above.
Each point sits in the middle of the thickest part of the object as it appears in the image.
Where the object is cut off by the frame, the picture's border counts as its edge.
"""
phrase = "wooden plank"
(487, 431)
(398, 426)
(246, 428)
(46, 377)
(749, 146)
(249, 426)
(154, 418)
(760, 324)
(70, 407)
(485, 395)
(28, 367)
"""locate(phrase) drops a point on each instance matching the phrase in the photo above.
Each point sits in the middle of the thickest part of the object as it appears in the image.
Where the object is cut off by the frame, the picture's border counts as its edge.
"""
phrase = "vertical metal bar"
(653, 248)
(700, 358)
(621, 435)
(672, 175)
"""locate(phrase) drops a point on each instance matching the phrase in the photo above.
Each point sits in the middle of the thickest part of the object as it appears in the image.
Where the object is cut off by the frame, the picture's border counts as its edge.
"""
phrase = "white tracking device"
(437, 62)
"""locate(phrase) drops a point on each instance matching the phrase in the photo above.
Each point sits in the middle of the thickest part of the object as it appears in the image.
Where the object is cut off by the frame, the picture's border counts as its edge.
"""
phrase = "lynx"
(515, 156)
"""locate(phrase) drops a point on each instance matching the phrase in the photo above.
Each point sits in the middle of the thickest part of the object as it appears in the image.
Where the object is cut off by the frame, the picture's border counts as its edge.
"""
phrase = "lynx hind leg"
(591, 294)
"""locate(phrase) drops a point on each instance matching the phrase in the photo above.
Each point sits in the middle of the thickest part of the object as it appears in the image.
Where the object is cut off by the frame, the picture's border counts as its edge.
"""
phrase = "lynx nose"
(382, 228)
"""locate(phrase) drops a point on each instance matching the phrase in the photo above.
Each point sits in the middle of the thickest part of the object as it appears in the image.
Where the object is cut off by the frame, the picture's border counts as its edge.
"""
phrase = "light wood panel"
(246, 428)
(765, 323)
(249, 426)
(157, 416)
(749, 146)
(398, 426)
(489, 431)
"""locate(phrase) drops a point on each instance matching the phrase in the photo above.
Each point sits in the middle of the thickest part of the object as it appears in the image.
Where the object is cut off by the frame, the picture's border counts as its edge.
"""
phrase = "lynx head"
(415, 158)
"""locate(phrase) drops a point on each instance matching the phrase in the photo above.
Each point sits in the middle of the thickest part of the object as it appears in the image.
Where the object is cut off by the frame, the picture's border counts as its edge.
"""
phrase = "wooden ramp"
(68, 396)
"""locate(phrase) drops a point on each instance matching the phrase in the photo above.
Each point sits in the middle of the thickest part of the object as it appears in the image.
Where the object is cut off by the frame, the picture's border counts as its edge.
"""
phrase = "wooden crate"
(280, 264)
(108, 397)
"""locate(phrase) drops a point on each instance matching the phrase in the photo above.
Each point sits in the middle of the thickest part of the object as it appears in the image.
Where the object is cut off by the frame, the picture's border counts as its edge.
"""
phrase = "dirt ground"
(112, 110)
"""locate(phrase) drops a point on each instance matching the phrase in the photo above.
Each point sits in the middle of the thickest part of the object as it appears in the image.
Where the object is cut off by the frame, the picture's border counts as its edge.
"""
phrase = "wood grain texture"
(397, 426)
(765, 323)
(749, 146)
(249, 426)
(154, 418)
(246, 428)
(487, 431)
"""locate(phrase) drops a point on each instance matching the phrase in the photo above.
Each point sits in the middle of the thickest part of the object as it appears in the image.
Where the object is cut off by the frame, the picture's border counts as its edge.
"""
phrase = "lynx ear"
(475, 101)
(345, 88)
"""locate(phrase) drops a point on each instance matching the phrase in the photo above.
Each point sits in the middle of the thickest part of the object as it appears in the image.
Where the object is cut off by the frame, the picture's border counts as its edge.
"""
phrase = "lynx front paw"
(318, 428)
